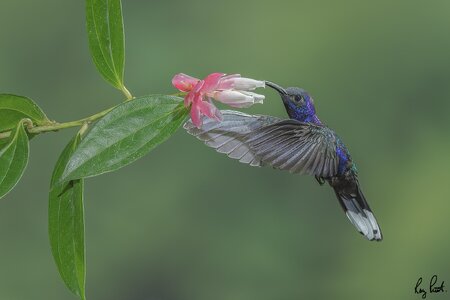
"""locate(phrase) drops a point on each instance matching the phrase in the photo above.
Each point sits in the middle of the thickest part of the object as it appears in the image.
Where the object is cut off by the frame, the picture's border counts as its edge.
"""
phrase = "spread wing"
(297, 147)
(263, 140)
(230, 135)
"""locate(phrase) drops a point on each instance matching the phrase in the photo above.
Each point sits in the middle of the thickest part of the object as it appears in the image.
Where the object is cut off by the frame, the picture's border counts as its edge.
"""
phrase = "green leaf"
(126, 134)
(3, 142)
(106, 39)
(66, 224)
(15, 108)
(13, 159)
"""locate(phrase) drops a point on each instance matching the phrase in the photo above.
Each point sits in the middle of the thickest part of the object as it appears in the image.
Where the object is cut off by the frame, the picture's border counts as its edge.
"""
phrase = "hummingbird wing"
(265, 140)
(230, 135)
(297, 147)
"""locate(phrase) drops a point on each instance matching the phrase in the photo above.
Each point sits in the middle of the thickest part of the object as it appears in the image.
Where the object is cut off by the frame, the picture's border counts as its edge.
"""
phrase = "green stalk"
(58, 126)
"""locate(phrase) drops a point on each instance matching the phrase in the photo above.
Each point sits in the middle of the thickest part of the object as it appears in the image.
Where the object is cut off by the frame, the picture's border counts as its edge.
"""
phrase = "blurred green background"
(186, 223)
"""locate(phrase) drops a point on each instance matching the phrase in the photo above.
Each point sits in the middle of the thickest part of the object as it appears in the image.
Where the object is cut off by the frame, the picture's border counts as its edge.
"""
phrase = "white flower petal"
(230, 96)
(257, 98)
(238, 98)
(243, 84)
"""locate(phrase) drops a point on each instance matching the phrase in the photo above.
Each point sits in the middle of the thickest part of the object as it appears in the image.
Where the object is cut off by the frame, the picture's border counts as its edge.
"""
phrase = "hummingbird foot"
(320, 180)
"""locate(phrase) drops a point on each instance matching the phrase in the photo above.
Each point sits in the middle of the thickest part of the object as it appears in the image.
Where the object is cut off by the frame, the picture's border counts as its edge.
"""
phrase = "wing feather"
(283, 144)
(297, 147)
(230, 135)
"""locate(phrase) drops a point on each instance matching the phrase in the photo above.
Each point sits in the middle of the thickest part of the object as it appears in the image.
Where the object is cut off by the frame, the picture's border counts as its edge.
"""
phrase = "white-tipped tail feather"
(360, 215)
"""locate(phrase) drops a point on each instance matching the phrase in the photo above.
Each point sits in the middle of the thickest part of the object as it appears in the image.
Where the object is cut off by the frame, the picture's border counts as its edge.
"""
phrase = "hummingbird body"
(306, 112)
(301, 144)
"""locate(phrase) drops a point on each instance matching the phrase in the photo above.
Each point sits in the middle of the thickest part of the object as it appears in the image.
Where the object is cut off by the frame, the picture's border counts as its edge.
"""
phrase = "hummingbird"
(301, 144)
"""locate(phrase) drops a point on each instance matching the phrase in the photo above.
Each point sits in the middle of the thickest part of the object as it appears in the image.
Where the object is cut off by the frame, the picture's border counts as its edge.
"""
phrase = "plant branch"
(58, 126)
(55, 126)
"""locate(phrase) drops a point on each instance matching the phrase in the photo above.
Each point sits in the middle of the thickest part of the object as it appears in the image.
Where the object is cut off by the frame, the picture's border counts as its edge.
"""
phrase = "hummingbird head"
(298, 103)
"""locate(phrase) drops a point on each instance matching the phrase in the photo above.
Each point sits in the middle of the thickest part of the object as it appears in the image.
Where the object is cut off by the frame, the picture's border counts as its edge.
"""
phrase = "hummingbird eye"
(297, 99)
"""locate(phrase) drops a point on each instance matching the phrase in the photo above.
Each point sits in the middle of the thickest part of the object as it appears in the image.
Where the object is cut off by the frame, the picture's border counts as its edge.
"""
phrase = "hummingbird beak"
(276, 87)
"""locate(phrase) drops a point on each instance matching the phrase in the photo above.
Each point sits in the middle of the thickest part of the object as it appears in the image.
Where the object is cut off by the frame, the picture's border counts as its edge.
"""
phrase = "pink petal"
(189, 98)
(196, 116)
(209, 110)
(183, 82)
(198, 87)
(211, 82)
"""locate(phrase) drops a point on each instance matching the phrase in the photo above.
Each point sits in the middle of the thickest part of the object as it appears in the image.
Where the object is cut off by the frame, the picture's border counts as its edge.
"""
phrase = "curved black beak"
(276, 87)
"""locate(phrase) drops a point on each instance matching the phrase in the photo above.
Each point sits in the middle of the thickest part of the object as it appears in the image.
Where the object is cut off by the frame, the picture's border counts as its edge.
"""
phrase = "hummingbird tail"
(359, 213)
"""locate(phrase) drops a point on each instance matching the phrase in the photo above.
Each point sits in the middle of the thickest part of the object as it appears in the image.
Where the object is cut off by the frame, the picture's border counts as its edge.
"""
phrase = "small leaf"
(126, 134)
(106, 38)
(13, 159)
(15, 108)
(66, 224)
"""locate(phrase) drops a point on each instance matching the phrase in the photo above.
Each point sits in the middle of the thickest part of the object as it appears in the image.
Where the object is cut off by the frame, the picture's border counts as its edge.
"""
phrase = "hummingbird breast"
(305, 113)
(345, 160)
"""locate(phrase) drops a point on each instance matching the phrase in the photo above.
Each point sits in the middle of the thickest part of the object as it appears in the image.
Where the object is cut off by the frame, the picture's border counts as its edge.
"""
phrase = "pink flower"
(232, 90)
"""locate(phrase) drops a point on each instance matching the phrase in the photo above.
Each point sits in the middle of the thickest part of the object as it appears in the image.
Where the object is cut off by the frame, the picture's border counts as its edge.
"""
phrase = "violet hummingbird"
(300, 144)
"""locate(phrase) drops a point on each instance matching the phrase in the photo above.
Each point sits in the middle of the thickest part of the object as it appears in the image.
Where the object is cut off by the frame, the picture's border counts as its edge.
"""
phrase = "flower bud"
(183, 82)
(237, 98)
(240, 83)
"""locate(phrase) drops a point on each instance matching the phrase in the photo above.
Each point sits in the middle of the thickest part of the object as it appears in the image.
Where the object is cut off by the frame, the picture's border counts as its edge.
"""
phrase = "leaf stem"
(127, 93)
